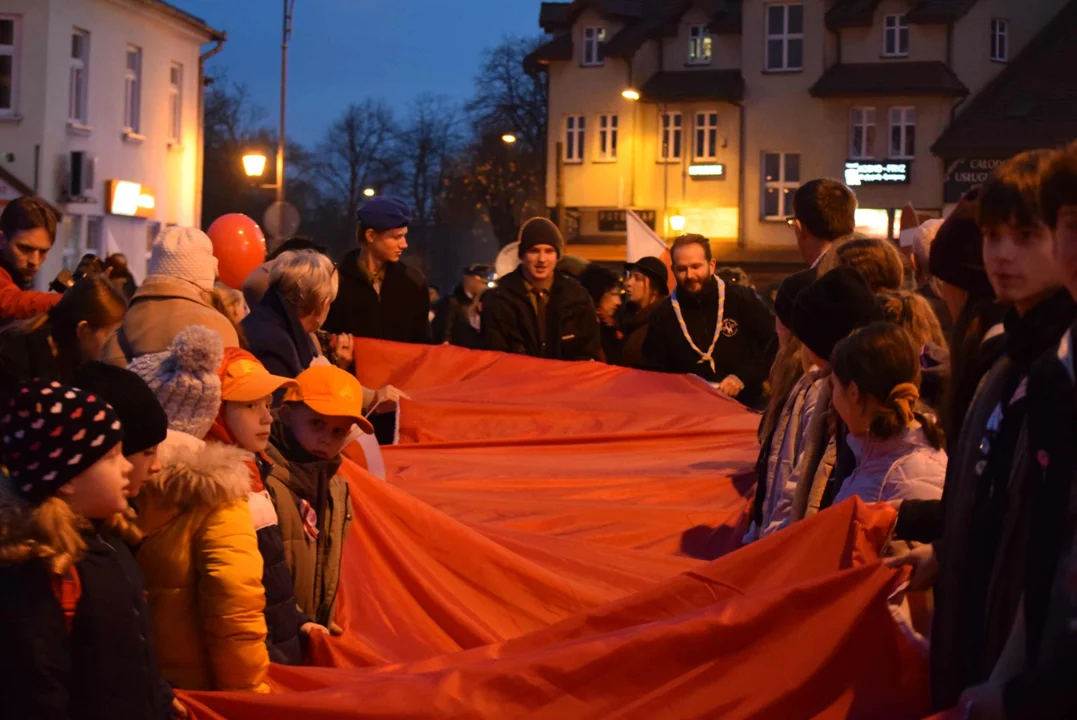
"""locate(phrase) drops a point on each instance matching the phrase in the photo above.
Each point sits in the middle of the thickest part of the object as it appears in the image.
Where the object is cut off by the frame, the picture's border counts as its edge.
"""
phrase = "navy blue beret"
(384, 213)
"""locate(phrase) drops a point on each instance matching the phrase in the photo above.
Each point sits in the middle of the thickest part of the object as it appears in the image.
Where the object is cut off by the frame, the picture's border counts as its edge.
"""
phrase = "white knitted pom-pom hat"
(185, 253)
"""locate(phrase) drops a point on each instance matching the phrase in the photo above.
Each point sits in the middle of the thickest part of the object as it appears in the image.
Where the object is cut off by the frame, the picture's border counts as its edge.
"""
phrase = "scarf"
(704, 357)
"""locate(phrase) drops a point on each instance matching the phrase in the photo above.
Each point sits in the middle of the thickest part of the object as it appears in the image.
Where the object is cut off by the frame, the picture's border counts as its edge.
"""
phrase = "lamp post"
(286, 36)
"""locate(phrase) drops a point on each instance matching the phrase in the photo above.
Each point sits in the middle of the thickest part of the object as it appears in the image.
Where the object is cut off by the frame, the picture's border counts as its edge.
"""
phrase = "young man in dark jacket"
(453, 314)
(538, 311)
(381, 297)
(717, 331)
(1034, 676)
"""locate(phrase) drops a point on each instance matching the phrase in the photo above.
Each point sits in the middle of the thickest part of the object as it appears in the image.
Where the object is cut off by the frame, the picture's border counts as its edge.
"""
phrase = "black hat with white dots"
(51, 434)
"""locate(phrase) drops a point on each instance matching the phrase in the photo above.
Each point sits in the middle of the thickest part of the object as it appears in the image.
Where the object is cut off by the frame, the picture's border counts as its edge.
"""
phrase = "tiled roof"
(560, 48)
(888, 78)
(939, 11)
(555, 16)
(187, 18)
(851, 13)
(861, 13)
(691, 85)
(1030, 104)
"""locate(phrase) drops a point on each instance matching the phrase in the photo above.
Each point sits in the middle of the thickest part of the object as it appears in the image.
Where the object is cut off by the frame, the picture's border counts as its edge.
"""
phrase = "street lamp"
(508, 138)
(369, 192)
(676, 223)
(254, 164)
(630, 94)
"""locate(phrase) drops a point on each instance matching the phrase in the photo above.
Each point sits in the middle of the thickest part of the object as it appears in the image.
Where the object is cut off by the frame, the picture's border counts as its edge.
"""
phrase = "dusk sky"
(345, 51)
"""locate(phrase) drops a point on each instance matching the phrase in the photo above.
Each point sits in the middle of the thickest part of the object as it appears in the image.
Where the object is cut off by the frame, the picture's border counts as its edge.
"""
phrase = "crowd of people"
(172, 513)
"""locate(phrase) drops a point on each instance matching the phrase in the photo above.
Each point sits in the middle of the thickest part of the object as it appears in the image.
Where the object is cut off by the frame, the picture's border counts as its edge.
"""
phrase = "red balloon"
(238, 245)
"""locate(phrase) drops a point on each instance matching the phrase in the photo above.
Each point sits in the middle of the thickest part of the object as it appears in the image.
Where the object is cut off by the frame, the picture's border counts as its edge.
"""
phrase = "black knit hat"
(831, 308)
(788, 292)
(51, 434)
(144, 421)
(957, 251)
(540, 231)
(654, 269)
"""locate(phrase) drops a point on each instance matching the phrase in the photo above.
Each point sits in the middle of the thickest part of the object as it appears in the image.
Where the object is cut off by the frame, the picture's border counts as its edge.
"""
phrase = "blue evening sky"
(345, 51)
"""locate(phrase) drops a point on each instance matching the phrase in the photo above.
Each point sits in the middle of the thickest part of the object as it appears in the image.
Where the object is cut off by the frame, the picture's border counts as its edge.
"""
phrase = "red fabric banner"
(536, 550)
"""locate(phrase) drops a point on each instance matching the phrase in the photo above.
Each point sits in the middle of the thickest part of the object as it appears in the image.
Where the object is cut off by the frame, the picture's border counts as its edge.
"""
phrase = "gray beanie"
(185, 379)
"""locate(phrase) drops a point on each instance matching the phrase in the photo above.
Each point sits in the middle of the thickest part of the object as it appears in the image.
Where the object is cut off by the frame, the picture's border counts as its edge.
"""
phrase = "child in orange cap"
(244, 421)
(316, 422)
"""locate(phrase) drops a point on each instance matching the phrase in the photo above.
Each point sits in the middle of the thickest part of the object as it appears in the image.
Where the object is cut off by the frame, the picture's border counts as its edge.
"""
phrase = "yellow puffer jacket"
(203, 569)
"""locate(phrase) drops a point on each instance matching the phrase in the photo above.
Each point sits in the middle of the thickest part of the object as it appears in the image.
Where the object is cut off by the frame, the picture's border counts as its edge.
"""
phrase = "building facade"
(740, 101)
(100, 115)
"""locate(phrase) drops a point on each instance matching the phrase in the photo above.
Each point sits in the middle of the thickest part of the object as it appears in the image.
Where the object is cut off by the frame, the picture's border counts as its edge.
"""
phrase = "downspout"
(201, 149)
(635, 138)
(741, 175)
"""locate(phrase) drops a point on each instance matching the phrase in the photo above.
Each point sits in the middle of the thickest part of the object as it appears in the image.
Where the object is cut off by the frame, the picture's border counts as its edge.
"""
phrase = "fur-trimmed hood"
(197, 474)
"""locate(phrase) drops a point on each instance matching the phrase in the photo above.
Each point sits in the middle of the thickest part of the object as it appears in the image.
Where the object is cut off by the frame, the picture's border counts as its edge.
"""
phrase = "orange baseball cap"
(245, 379)
(328, 390)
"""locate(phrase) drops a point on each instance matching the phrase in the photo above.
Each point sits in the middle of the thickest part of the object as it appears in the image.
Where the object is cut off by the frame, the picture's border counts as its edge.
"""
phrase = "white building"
(101, 115)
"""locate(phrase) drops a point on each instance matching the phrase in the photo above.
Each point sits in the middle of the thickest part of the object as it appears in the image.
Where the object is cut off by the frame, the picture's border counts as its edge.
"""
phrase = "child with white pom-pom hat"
(200, 553)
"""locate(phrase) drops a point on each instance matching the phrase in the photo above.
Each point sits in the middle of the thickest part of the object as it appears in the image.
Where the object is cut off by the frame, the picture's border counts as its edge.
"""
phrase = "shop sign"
(611, 221)
(964, 174)
(709, 171)
(130, 199)
(887, 172)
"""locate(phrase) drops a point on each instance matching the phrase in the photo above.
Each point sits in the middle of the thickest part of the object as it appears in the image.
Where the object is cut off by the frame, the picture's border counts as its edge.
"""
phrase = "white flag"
(642, 241)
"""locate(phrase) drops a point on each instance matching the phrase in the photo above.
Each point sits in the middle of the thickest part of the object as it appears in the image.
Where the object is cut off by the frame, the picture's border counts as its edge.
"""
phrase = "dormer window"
(896, 36)
(593, 37)
(699, 45)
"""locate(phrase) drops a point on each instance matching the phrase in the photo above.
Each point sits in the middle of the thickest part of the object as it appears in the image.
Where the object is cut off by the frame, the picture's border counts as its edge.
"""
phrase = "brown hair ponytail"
(884, 362)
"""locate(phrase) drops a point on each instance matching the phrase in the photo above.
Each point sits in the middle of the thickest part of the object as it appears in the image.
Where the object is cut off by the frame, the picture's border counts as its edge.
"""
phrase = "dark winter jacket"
(283, 617)
(295, 478)
(276, 337)
(449, 313)
(510, 324)
(400, 312)
(635, 333)
(742, 349)
(103, 667)
(1046, 688)
(987, 511)
(24, 357)
(612, 343)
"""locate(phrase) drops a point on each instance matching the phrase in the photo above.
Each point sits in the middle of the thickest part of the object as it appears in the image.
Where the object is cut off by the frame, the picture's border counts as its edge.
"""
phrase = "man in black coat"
(537, 310)
(381, 297)
(718, 331)
(453, 314)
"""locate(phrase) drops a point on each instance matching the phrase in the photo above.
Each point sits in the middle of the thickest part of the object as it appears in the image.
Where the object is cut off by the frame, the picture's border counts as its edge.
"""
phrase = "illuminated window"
(699, 45)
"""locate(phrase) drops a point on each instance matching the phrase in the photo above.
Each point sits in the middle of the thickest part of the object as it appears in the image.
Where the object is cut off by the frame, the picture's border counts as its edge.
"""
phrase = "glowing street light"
(630, 94)
(369, 192)
(254, 164)
(676, 223)
(508, 138)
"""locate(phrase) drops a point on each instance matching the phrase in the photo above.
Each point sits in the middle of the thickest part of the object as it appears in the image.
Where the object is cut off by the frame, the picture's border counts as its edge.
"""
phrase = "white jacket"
(901, 468)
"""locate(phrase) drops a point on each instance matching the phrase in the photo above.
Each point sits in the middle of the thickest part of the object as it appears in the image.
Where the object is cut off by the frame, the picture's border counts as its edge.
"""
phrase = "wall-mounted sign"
(711, 171)
(614, 220)
(889, 172)
(129, 199)
(962, 175)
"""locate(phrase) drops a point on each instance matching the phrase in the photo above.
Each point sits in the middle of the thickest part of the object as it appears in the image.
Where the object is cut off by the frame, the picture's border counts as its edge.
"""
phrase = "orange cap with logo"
(328, 390)
(245, 379)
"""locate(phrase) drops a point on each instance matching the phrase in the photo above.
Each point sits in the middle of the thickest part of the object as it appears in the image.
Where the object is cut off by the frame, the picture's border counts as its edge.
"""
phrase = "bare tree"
(357, 153)
(425, 146)
(505, 182)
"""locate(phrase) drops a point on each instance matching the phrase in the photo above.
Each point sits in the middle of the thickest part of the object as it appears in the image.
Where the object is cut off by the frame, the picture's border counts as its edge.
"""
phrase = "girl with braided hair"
(876, 391)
